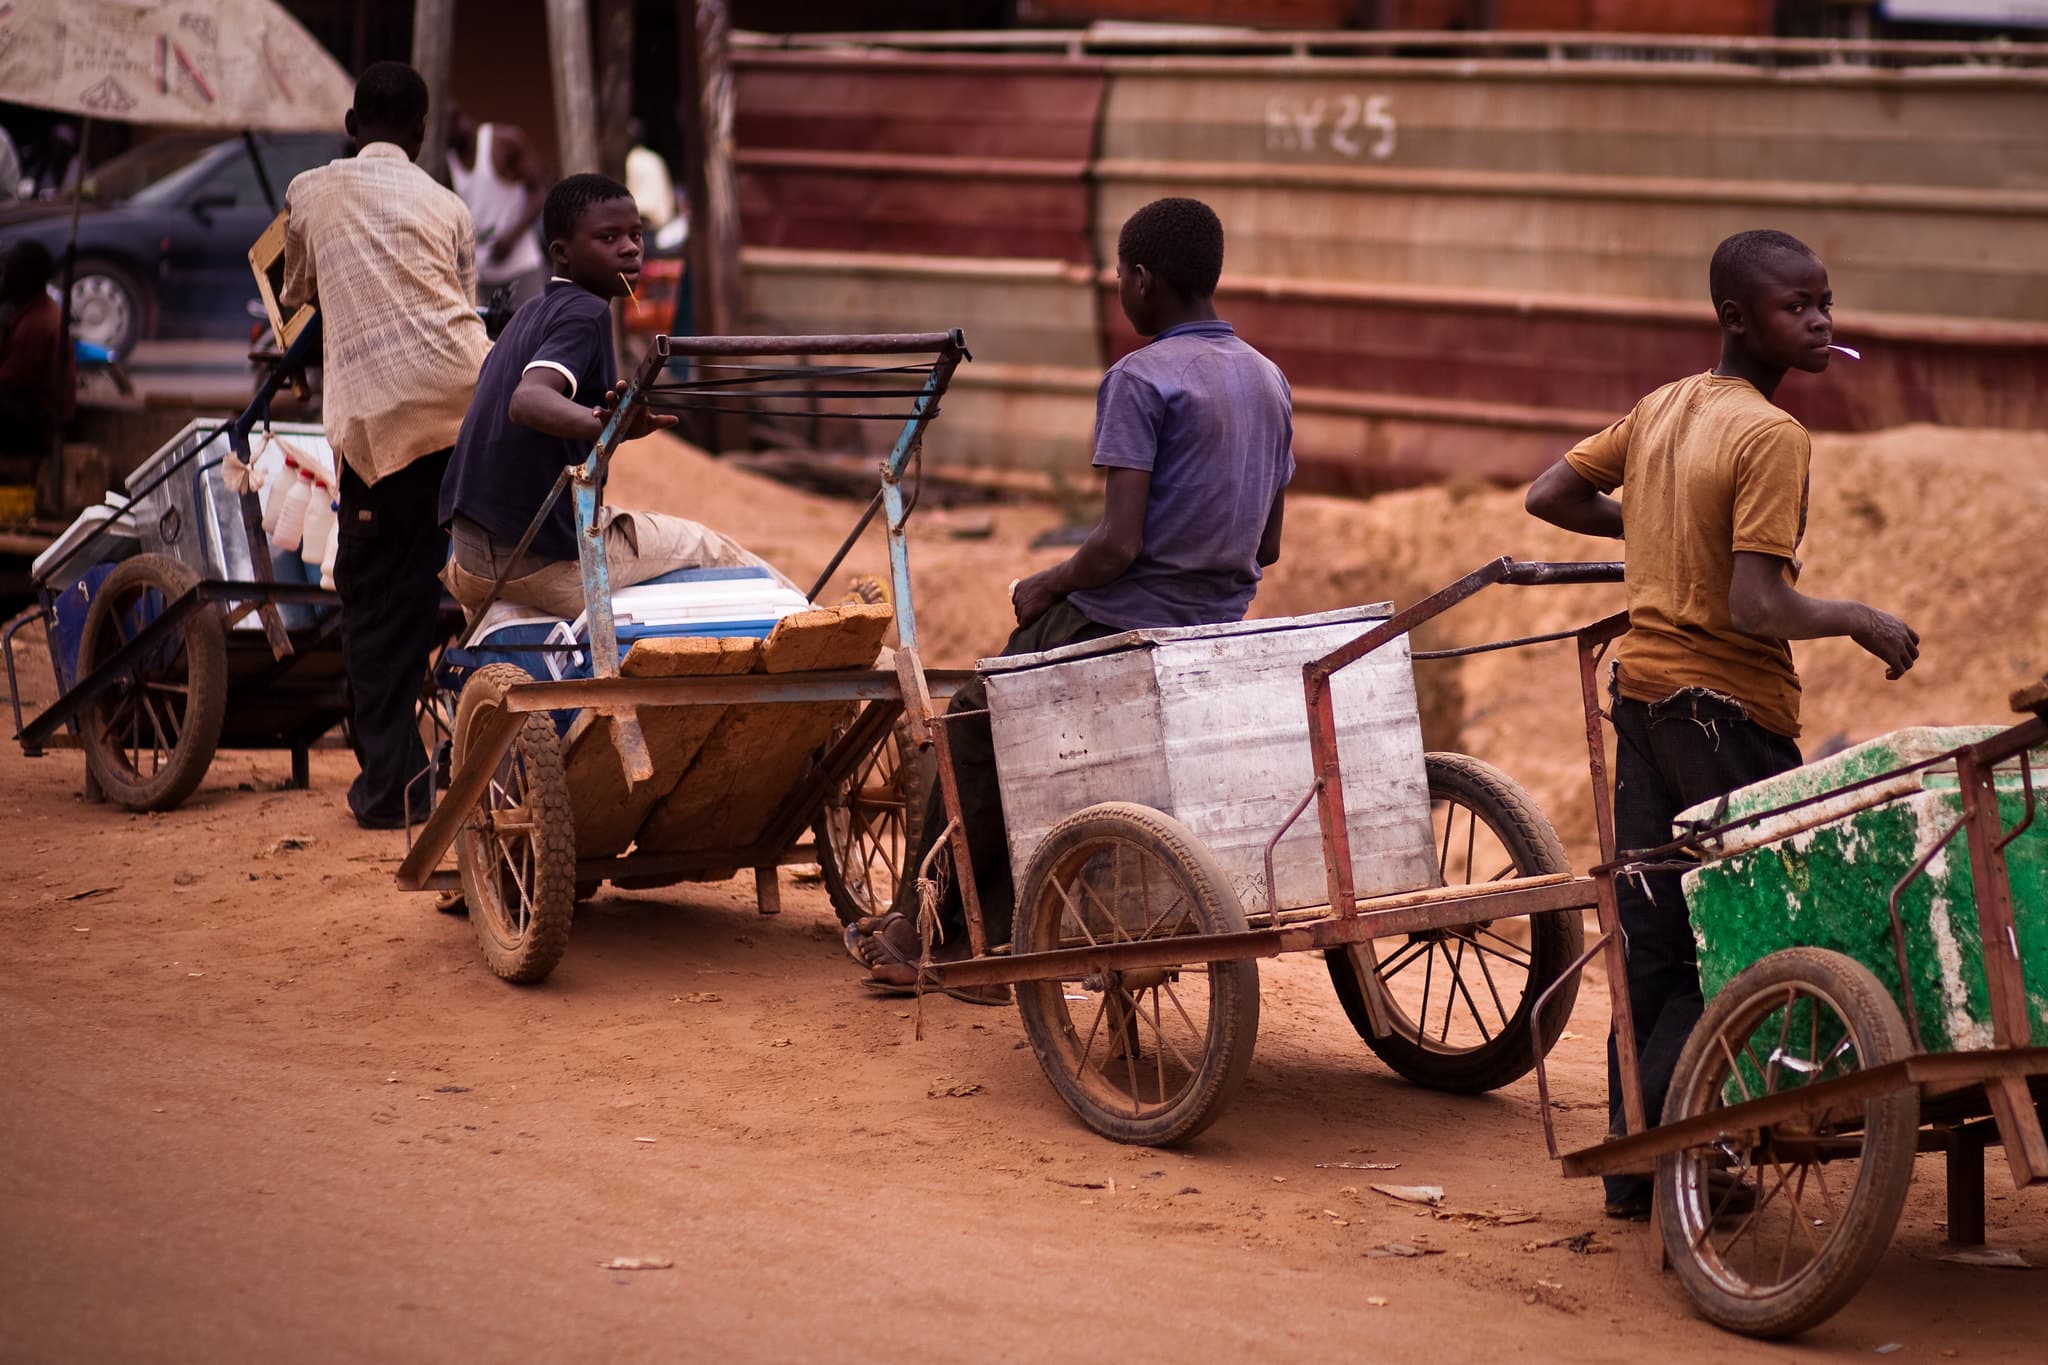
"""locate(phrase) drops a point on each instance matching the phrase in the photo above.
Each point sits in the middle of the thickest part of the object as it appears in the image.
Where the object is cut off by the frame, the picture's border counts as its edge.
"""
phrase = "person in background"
(1705, 697)
(10, 167)
(35, 386)
(494, 169)
(391, 258)
(654, 190)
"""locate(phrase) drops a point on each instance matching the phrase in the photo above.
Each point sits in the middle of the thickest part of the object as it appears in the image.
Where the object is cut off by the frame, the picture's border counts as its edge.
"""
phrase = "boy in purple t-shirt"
(1195, 431)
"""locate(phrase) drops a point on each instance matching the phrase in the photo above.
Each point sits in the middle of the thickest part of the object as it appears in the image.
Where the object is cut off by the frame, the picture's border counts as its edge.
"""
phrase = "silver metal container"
(192, 516)
(1210, 725)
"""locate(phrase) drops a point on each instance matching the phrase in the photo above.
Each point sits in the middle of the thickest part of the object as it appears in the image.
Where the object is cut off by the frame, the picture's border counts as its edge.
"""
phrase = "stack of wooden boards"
(722, 772)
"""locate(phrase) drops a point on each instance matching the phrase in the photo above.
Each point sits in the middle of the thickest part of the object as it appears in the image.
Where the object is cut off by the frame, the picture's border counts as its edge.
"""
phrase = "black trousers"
(1691, 747)
(981, 798)
(385, 568)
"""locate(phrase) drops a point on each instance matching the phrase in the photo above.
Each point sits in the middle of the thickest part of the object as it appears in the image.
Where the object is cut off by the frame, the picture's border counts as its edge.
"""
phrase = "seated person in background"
(1195, 430)
(541, 402)
(35, 391)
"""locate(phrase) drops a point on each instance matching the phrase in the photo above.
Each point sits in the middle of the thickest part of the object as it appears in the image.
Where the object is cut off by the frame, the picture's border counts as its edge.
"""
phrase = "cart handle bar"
(857, 343)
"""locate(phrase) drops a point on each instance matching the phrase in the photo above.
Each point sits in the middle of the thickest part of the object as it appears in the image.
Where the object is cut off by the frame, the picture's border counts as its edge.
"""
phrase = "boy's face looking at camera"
(1782, 313)
(602, 250)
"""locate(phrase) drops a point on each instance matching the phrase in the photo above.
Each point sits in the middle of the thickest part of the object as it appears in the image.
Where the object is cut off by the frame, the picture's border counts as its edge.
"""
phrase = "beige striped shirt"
(391, 258)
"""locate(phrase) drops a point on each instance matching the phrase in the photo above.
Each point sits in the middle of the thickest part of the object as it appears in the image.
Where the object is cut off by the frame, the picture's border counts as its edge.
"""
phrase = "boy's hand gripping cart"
(690, 758)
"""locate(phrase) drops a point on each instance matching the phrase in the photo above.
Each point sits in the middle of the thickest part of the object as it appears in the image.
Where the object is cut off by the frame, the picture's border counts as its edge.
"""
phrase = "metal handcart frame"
(515, 775)
(164, 681)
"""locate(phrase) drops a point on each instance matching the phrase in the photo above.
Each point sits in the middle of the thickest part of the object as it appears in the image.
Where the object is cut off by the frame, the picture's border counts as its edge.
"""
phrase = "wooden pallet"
(721, 772)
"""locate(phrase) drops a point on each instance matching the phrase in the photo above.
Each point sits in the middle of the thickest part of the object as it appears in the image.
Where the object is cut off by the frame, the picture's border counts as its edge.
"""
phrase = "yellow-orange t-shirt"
(1707, 467)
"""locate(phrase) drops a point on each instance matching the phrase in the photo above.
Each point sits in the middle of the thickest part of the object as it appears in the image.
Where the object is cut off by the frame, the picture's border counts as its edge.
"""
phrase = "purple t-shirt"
(1213, 421)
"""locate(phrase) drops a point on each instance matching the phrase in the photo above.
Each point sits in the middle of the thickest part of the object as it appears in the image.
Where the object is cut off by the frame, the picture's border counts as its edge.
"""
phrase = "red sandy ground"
(262, 1104)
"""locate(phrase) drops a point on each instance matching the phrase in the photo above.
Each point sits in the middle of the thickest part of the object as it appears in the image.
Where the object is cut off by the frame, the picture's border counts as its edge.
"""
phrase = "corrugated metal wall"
(1459, 264)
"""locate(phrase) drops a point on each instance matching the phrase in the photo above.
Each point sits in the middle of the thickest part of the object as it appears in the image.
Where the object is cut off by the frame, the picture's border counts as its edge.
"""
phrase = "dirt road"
(260, 1104)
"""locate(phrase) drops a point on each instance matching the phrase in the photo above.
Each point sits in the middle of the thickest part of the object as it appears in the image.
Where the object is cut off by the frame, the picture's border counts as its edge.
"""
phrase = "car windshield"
(129, 174)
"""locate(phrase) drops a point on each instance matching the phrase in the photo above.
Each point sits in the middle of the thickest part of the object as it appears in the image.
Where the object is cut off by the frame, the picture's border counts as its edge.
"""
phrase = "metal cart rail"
(164, 681)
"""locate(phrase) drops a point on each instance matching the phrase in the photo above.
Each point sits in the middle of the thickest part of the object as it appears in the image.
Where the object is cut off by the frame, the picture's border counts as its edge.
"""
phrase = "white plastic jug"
(333, 548)
(291, 519)
(319, 529)
(277, 491)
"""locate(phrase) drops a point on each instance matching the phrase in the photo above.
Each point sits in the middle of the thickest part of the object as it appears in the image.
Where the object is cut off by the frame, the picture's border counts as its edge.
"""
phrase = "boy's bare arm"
(1762, 602)
(542, 401)
(1269, 539)
(1562, 496)
(1107, 552)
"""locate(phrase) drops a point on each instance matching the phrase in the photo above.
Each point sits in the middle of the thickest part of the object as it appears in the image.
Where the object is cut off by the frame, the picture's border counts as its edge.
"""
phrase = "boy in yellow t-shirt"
(1705, 695)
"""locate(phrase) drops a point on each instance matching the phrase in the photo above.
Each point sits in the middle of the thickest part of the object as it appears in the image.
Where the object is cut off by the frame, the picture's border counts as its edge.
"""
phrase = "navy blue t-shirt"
(1213, 421)
(501, 470)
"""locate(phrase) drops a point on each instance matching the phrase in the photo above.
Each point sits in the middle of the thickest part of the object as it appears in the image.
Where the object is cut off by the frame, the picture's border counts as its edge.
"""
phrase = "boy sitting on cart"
(541, 402)
(1705, 697)
(1195, 430)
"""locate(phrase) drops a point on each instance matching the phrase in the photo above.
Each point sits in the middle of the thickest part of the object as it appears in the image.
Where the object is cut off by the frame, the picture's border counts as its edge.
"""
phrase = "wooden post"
(575, 96)
(707, 116)
(433, 46)
(614, 84)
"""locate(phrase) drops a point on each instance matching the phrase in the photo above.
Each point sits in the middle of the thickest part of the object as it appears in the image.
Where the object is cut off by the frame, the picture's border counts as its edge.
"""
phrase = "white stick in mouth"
(1848, 351)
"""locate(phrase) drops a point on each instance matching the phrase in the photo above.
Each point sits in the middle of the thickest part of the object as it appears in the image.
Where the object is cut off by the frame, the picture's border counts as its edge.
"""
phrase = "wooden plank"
(759, 752)
(607, 813)
(2032, 697)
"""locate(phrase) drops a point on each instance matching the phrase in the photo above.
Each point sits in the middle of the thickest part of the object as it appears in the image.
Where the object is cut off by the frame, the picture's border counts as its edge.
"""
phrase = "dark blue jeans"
(1691, 747)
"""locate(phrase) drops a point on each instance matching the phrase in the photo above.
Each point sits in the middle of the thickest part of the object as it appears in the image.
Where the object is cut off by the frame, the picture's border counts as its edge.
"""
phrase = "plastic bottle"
(276, 491)
(291, 519)
(319, 529)
(333, 548)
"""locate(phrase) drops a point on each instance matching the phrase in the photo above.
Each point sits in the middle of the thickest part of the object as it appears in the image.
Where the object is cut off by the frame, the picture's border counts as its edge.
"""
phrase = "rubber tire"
(1891, 1140)
(206, 656)
(916, 774)
(1233, 1024)
(529, 957)
(137, 296)
(1555, 941)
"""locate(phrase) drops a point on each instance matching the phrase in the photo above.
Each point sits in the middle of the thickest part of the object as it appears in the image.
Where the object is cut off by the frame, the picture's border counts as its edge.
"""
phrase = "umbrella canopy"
(229, 64)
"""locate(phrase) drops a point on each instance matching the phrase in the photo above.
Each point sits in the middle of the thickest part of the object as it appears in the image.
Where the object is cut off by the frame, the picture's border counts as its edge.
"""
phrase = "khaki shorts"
(638, 546)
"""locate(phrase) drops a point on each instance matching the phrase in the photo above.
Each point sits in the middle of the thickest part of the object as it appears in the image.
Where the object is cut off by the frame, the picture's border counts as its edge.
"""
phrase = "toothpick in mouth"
(636, 298)
(1848, 351)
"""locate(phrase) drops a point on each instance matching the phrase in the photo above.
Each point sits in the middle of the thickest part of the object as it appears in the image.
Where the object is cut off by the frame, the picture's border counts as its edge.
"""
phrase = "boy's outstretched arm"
(1563, 497)
(1108, 551)
(542, 401)
(1762, 602)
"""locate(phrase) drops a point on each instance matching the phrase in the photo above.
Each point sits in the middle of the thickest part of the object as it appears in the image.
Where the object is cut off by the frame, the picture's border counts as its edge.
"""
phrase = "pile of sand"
(1942, 527)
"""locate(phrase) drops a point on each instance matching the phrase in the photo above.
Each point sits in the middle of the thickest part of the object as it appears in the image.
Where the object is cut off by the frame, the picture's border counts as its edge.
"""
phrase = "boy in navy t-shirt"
(1195, 430)
(541, 402)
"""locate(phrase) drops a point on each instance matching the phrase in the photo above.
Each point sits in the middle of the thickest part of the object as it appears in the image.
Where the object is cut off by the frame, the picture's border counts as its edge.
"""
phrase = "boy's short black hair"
(571, 196)
(390, 95)
(1180, 241)
(1739, 261)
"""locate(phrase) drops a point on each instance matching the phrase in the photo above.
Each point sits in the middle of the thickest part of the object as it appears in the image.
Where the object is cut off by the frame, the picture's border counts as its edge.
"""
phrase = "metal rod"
(846, 546)
(880, 343)
(1536, 1038)
(1622, 1019)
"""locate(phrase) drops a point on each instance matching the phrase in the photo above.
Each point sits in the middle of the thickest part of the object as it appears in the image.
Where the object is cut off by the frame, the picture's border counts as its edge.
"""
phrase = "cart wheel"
(869, 828)
(1147, 1056)
(149, 737)
(1460, 1000)
(1773, 1228)
(518, 851)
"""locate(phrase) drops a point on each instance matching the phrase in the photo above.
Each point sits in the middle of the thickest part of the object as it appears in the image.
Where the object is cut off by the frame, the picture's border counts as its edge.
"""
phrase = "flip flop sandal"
(873, 930)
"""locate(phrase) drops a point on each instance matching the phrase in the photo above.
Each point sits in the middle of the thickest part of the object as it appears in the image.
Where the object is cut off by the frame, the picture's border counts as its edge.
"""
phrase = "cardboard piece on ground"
(607, 814)
(759, 753)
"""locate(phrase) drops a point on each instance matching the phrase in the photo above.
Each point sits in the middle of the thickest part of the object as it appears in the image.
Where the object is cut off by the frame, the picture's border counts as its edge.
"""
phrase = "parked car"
(164, 234)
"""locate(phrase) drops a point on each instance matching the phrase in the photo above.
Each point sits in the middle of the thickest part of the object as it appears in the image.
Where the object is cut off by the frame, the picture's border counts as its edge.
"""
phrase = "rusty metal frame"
(910, 688)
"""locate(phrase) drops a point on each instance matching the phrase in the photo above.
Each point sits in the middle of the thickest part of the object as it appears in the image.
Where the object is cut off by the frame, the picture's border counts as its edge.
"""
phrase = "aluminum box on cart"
(191, 515)
(1210, 725)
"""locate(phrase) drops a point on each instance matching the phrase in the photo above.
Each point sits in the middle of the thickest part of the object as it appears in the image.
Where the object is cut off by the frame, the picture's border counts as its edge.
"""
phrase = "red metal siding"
(960, 156)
